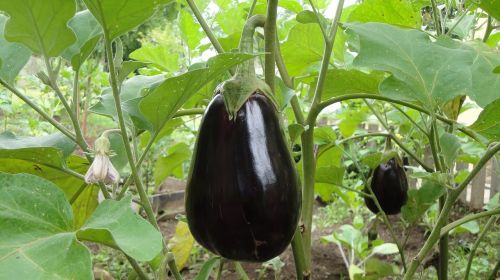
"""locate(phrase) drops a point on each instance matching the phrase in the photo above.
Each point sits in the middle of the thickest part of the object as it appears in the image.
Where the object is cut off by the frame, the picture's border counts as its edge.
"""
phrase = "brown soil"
(327, 261)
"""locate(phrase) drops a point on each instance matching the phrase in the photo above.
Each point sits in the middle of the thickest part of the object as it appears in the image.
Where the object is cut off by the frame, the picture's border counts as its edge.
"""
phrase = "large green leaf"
(119, 16)
(304, 46)
(161, 104)
(115, 224)
(40, 25)
(190, 30)
(419, 200)
(492, 7)
(46, 157)
(340, 81)
(488, 122)
(165, 165)
(396, 12)
(13, 56)
(159, 56)
(132, 92)
(422, 71)
(36, 241)
(88, 33)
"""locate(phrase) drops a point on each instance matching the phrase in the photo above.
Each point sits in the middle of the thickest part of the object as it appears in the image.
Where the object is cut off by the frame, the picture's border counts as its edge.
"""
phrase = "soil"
(326, 257)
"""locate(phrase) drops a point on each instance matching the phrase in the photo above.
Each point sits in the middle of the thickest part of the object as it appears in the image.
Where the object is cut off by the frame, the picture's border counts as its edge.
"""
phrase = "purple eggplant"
(390, 186)
(242, 198)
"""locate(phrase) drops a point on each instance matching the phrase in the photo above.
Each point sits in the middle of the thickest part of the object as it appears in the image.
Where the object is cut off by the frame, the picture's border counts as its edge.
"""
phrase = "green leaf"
(131, 94)
(190, 30)
(161, 104)
(484, 81)
(181, 244)
(376, 269)
(493, 203)
(207, 268)
(115, 224)
(492, 7)
(324, 135)
(450, 146)
(13, 56)
(470, 227)
(40, 25)
(120, 16)
(395, 12)
(422, 70)
(231, 20)
(385, 249)
(165, 165)
(303, 48)
(295, 130)
(127, 68)
(46, 157)
(488, 122)
(350, 121)
(419, 200)
(159, 56)
(88, 33)
(340, 82)
(36, 230)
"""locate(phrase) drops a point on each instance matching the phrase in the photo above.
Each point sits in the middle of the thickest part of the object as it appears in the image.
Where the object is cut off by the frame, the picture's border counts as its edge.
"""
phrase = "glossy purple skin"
(242, 197)
(390, 186)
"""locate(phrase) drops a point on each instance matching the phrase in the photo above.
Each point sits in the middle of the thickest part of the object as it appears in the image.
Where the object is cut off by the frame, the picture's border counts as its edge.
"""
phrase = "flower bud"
(102, 170)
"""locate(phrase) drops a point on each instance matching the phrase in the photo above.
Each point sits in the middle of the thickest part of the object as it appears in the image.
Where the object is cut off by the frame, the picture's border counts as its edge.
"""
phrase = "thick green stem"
(270, 42)
(443, 216)
(299, 255)
(485, 230)
(307, 137)
(121, 121)
(173, 267)
(76, 94)
(308, 171)
(493, 274)
(437, 17)
(221, 268)
(77, 193)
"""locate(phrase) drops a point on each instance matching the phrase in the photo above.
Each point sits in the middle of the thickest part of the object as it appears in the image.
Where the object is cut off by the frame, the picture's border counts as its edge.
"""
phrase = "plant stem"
(241, 271)
(205, 26)
(77, 193)
(76, 95)
(489, 29)
(437, 17)
(450, 199)
(316, 110)
(173, 267)
(250, 12)
(270, 42)
(487, 227)
(136, 267)
(307, 137)
(410, 119)
(316, 14)
(116, 94)
(469, 218)
(398, 142)
(42, 113)
(299, 255)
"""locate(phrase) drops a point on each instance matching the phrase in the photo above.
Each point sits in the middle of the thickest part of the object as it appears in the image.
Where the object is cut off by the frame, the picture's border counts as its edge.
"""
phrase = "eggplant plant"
(264, 76)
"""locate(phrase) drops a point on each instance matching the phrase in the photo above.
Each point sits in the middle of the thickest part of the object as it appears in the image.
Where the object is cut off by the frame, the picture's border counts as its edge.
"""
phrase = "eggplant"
(242, 197)
(390, 186)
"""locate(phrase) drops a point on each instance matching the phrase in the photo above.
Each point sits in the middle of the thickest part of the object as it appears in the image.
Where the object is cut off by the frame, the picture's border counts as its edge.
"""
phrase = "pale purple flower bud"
(102, 170)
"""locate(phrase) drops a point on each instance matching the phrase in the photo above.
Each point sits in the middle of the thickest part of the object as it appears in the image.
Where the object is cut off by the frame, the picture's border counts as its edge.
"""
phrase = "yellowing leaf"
(181, 244)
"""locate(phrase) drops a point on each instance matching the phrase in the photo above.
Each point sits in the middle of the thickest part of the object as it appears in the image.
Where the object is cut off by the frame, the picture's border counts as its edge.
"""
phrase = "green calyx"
(244, 83)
